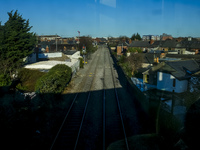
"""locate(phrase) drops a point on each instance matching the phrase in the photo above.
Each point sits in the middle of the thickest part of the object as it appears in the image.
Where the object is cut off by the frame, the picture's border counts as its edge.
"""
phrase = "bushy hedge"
(27, 79)
(81, 65)
(5, 80)
(55, 80)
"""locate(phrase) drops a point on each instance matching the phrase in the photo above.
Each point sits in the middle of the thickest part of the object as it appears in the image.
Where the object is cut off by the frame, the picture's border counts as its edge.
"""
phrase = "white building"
(171, 76)
(150, 37)
(168, 82)
(73, 62)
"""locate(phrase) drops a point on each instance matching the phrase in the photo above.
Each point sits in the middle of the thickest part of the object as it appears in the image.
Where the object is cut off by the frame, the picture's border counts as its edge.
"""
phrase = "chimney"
(47, 49)
(151, 42)
(130, 41)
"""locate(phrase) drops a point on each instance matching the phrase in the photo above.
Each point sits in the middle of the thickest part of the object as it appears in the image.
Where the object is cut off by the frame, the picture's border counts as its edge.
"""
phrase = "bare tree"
(135, 62)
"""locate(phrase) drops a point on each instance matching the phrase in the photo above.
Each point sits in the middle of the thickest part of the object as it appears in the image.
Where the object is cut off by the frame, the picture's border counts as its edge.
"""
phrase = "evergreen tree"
(16, 42)
(136, 37)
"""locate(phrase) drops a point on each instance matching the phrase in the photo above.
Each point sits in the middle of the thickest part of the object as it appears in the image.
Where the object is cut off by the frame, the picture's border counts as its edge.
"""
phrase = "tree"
(123, 38)
(135, 62)
(87, 42)
(136, 37)
(16, 42)
(135, 49)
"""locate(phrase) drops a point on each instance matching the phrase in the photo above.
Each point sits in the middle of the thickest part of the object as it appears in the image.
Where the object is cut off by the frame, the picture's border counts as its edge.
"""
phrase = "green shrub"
(122, 59)
(55, 80)
(21, 88)
(81, 63)
(5, 80)
(28, 78)
(135, 49)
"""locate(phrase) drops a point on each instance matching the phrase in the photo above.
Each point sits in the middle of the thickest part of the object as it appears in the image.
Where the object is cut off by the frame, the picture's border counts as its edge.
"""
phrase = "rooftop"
(49, 64)
(180, 69)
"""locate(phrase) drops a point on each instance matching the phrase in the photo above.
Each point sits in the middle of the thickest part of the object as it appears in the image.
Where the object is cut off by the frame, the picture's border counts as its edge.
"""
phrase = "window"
(174, 82)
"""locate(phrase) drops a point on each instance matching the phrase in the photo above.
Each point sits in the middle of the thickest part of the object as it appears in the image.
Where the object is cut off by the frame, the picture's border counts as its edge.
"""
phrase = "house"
(48, 37)
(101, 40)
(171, 76)
(165, 36)
(173, 46)
(194, 82)
(150, 37)
(63, 47)
(144, 45)
(122, 48)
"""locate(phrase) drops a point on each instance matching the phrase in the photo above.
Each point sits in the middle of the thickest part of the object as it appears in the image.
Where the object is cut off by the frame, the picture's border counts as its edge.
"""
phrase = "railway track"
(109, 120)
(68, 134)
(118, 130)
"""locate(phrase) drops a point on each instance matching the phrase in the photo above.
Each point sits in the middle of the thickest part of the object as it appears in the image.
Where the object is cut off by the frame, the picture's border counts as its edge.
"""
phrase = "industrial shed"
(47, 65)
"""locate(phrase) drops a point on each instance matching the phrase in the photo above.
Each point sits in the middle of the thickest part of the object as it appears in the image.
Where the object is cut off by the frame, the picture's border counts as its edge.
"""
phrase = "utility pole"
(56, 42)
(122, 46)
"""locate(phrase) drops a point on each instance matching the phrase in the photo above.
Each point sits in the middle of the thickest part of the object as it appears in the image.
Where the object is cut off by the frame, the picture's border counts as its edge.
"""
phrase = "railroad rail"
(69, 132)
(70, 129)
(118, 103)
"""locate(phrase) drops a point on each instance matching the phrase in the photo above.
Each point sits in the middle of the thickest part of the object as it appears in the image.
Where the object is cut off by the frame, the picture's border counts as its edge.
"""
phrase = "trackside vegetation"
(55, 80)
(16, 43)
(27, 79)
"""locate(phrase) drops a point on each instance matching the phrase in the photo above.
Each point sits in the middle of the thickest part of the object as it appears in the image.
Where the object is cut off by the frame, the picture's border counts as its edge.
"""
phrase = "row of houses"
(169, 72)
(172, 76)
(171, 82)
(172, 65)
(163, 37)
(170, 46)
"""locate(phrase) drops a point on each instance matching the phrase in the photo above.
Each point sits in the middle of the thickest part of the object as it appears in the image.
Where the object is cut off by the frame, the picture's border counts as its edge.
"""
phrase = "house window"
(174, 82)
(160, 76)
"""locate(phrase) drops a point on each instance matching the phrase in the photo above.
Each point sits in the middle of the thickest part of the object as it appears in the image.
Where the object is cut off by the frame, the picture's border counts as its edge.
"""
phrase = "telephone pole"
(56, 42)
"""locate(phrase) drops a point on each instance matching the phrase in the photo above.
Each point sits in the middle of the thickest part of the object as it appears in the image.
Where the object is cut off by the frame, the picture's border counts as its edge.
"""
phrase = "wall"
(119, 50)
(76, 55)
(30, 59)
(181, 86)
(50, 55)
(165, 82)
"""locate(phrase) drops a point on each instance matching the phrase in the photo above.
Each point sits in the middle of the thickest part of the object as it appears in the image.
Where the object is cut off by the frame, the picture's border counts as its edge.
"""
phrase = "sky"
(103, 18)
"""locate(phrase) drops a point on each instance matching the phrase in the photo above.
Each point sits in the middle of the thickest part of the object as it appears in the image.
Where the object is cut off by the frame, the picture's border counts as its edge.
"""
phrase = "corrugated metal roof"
(49, 64)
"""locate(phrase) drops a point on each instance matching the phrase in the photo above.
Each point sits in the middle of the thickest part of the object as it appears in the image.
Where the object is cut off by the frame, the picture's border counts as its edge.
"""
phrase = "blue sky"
(99, 18)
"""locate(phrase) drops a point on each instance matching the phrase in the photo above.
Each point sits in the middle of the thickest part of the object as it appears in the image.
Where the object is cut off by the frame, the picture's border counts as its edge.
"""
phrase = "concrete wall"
(181, 86)
(30, 59)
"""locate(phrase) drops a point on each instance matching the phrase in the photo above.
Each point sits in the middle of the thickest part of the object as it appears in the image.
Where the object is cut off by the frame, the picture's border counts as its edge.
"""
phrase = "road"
(102, 111)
